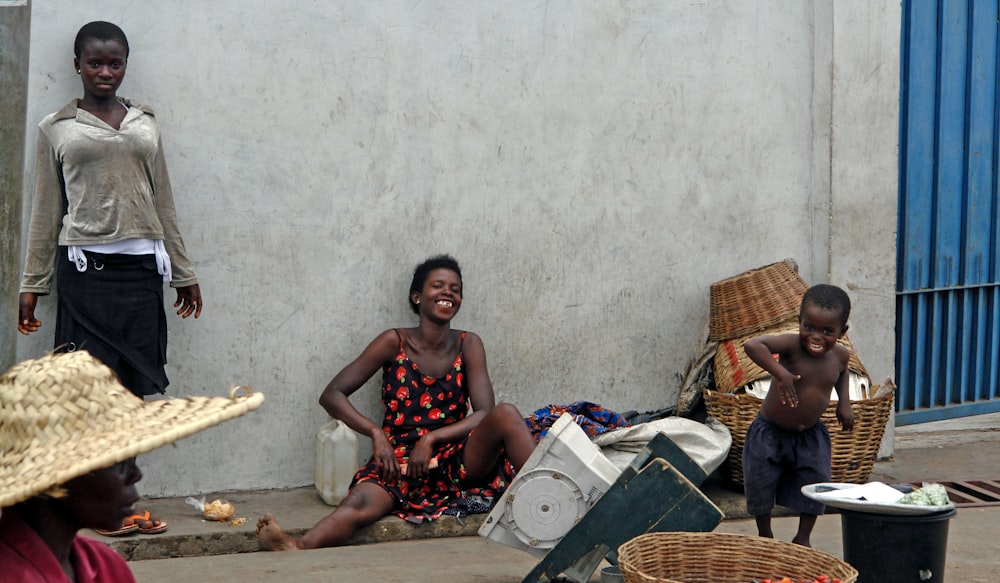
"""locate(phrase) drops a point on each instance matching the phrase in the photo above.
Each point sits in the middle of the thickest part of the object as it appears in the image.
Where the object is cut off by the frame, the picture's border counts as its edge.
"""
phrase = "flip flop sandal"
(147, 524)
(126, 528)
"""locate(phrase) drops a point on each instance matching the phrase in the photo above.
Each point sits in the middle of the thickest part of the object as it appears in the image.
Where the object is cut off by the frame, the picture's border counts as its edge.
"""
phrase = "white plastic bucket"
(336, 460)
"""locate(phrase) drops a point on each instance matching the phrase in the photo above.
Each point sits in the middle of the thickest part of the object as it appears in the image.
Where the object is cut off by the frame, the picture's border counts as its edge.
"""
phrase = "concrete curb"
(297, 510)
(171, 546)
(955, 449)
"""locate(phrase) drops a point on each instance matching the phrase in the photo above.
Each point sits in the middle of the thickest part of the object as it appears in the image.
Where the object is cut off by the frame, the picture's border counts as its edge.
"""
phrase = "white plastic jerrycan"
(336, 460)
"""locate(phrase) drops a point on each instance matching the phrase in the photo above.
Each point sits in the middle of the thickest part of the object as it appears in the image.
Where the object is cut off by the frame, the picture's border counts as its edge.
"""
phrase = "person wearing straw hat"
(69, 434)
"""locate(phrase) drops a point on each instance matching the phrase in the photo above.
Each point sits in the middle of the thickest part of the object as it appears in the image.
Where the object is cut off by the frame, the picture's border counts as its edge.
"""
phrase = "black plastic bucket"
(885, 547)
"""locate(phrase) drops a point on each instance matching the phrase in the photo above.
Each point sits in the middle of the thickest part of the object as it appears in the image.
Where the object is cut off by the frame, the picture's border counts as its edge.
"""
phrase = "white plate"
(893, 508)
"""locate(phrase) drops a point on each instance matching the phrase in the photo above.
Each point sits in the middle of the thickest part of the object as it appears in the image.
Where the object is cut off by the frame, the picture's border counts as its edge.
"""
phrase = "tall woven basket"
(707, 557)
(853, 452)
(754, 300)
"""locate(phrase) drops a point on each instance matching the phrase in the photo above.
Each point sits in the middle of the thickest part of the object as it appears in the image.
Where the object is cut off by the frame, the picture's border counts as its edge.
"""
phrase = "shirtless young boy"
(787, 446)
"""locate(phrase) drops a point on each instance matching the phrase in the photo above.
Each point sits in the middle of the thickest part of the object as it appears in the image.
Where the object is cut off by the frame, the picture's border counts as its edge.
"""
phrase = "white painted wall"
(594, 167)
(863, 173)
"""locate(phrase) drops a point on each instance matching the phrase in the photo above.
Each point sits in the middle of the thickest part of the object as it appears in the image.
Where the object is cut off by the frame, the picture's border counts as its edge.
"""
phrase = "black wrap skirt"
(114, 310)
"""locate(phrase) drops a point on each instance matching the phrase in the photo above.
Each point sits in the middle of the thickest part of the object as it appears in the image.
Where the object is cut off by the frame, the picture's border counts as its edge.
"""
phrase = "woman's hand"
(384, 457)
(420, 462)
(26, 322)
(189, 301)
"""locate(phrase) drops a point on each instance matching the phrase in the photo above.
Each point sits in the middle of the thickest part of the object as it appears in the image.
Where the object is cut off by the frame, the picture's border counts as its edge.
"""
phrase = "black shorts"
(778, 462)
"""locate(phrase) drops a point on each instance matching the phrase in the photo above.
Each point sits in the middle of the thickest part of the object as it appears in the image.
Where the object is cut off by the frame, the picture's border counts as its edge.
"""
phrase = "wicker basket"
(734, 369)
(754, 300)
(853, 452)
(699, 557)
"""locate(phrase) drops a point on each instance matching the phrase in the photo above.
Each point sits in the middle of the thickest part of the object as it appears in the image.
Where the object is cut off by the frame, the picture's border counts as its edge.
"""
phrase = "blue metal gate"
(948, 282)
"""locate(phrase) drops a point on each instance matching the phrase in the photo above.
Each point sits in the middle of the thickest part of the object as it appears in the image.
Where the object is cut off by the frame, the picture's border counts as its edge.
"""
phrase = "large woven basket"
(754, 300)
(707, 557)
(734, 369)
(853, 452)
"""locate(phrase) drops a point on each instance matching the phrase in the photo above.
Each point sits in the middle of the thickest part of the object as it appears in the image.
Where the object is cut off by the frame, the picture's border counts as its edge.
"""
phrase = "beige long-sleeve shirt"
(95, 184)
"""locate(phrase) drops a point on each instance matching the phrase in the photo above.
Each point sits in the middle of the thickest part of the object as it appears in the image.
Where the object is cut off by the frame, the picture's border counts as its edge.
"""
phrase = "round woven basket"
(707, 557)
(754, 300)
(853, 452)
(734, 369)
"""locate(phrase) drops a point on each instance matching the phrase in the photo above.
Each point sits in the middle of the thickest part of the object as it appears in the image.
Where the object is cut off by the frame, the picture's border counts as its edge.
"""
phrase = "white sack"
(707, 444)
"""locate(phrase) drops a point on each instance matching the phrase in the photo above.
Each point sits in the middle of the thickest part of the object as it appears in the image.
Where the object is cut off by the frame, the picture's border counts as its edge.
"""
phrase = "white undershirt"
(125, 247)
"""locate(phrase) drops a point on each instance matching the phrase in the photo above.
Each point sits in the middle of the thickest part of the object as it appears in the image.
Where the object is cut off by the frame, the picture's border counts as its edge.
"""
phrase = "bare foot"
(270, 537)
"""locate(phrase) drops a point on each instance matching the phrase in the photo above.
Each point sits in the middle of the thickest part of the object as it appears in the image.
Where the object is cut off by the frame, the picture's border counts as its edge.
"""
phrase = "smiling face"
(102, 498)
(441, 293)
(102, 66)
(820, 328)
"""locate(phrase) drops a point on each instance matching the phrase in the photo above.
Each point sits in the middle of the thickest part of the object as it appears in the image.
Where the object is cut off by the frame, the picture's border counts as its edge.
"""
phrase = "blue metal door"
(948, 282)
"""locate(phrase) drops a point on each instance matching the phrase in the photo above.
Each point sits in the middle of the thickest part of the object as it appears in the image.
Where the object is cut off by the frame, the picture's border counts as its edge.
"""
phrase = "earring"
(417, 302)
(78, 71)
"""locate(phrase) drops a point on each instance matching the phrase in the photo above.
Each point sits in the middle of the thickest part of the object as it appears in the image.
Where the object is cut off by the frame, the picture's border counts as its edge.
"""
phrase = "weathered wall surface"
(15, 18)
(863, 175)
(594, 168)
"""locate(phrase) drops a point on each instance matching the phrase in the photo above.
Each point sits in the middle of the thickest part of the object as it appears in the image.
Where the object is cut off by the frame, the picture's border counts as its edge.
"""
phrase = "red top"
(24, 557)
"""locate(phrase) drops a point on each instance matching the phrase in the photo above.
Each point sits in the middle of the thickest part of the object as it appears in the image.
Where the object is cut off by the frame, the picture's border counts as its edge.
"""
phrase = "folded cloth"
(707, 444)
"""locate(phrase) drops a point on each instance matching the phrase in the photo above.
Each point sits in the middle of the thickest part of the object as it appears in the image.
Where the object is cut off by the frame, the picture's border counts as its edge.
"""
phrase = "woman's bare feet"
(270, 537)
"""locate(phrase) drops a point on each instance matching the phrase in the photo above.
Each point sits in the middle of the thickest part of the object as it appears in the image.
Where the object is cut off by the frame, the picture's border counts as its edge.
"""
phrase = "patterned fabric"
(593, 418)
(416, 404)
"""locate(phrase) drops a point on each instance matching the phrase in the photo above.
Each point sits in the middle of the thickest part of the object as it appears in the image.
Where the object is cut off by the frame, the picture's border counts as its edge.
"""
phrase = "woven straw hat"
(65, 415)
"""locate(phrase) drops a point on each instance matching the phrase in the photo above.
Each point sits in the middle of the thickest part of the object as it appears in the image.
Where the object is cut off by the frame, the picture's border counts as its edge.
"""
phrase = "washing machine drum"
(542, 505)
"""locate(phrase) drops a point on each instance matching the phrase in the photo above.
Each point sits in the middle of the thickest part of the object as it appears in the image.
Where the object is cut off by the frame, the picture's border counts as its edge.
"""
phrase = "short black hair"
(99, 30)
(424, 269)
(828, 297)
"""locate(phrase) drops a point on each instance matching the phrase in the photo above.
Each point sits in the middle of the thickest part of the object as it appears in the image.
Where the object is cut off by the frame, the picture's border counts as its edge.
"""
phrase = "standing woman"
(441, 438)
(103, 218)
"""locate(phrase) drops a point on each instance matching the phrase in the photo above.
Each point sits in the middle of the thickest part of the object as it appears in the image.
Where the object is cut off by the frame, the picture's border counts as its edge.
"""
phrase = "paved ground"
(951, 450)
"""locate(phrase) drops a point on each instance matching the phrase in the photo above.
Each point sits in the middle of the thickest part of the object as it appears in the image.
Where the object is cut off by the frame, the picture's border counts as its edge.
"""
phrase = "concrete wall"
(15, 24)
(863, 174)
(594, 167)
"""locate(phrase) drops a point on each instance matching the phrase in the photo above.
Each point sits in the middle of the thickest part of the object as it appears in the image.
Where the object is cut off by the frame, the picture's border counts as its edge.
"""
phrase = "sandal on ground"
(147, 524)
(127, 527)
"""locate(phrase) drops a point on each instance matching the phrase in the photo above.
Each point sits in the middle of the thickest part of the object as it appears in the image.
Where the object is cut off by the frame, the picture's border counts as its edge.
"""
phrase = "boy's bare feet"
(270, 537)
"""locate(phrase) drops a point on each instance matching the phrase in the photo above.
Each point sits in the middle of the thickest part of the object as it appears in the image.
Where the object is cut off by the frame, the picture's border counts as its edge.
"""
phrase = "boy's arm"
(845, 414)
(760, 349)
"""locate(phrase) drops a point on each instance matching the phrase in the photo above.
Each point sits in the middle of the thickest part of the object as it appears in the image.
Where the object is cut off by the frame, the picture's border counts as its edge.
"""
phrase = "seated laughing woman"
(429, 452)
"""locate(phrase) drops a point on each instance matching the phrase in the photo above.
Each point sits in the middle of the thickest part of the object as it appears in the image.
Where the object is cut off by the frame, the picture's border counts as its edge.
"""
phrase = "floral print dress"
(416, 404)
